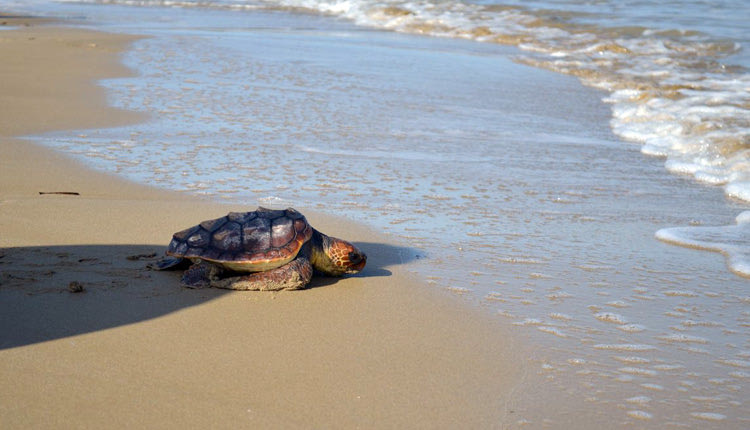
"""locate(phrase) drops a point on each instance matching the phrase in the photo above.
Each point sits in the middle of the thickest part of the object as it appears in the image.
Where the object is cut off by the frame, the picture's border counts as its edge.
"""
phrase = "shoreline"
(380, 349)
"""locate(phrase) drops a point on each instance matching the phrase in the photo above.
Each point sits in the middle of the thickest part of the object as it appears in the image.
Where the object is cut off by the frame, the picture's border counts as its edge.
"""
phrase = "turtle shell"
(245, 241)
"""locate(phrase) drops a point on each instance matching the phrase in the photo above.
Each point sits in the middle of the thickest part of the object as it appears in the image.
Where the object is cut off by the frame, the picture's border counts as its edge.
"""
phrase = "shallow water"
(508, 178)
(677, 71)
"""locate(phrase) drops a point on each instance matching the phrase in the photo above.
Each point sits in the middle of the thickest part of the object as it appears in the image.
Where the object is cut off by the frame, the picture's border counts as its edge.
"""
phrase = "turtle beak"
(357, 261)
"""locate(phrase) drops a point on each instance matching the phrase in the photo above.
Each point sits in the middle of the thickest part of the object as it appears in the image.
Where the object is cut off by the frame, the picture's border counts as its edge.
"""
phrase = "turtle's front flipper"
(201, 275)
(294, 275)
(170, 263)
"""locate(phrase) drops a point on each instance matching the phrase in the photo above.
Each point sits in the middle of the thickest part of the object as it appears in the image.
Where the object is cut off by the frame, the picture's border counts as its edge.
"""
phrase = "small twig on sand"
(65, 193)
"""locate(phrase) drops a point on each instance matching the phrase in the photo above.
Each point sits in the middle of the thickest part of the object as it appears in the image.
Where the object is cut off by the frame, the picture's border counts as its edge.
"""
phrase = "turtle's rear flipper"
(170, 263)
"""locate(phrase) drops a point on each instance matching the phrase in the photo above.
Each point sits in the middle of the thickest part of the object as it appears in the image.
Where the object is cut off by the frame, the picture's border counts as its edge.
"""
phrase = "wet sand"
(135, 350)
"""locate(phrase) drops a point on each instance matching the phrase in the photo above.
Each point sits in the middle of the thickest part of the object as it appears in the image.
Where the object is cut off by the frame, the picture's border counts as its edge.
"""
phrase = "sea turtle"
(260, 250)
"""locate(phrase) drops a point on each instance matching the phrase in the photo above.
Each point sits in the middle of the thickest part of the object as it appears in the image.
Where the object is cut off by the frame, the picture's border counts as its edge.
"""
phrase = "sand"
(134, 349)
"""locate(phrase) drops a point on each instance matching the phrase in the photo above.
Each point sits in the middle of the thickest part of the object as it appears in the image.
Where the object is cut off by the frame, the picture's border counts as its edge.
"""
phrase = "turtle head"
(335, 257)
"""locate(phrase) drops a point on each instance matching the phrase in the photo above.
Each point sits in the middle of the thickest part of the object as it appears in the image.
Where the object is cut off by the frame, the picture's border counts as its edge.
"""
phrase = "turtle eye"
(355, 257)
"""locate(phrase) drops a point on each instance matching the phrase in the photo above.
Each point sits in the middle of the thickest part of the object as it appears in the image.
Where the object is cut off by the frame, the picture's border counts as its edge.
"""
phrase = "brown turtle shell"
(245, 241)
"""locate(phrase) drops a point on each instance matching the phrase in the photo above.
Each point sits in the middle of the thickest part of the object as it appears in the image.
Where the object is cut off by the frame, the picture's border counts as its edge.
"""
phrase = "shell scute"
(177, 247)
(199, 239)
(228, 237)
(211, 253)
(243, 256)
(213, 224)
(241, 217)
(227, 256)
(256, 234)
(282, 232)
(275, 254)
(291, 247)
(300, 225)
(195, 252)
(269, 213)
(294, 214)
(180, 236)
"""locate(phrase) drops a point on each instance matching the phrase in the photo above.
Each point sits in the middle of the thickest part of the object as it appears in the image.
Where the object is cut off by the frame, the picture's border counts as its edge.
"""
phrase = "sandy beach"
(134, 349)
(514, 278)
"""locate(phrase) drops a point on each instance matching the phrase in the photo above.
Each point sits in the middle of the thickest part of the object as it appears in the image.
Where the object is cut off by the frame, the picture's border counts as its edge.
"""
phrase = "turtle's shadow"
(37, 305)
(380, 256)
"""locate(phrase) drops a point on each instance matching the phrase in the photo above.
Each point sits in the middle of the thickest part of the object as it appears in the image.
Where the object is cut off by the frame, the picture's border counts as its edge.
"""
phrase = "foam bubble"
(610, 317)
(668, 367)
(680, 293)
(691, 323)
(638, 371)
(624, 347)
(639, 400)
(708, 416)
(736, 363)
(682, 338)
(617, 304)
(631, 328)
(743, 217)
(633, 360)
(552, 330)
(641, 415)
(652, 387)
(738, 190)
(529, 322)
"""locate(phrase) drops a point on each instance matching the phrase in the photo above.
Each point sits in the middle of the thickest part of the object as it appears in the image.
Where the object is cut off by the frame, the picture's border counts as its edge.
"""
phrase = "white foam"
(743, 218)
(617, 304)
(731, 240)
(633, 360)
(639, 400)
(683, 338)
(624, 347)
(610, 317)
(637, 371)
(631, 328)
(691, 323)
(736, 363)
(529, 322)
(680, 293)
(668, 367)
(641, 415)
(652, 387)
(738, 190)
(708, 416)
(552, 330)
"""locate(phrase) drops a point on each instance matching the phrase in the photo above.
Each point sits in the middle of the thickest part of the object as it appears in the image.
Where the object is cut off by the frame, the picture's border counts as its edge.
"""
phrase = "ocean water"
(676, 70)
(540, 157)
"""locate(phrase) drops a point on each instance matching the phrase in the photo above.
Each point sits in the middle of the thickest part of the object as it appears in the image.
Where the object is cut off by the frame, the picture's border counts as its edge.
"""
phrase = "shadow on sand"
(37, 304)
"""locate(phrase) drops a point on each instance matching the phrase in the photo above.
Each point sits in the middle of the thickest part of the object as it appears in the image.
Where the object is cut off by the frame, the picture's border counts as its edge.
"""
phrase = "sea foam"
(731, 240)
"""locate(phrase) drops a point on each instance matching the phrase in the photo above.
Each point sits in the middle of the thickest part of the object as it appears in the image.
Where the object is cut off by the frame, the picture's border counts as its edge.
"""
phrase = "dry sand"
(379, 350)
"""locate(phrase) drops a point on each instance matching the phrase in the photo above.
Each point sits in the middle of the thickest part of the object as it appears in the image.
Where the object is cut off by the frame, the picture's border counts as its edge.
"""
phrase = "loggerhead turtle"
(260, 250)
